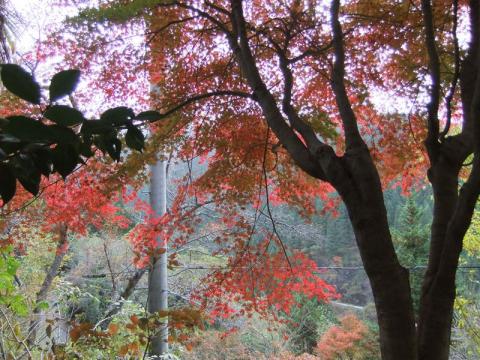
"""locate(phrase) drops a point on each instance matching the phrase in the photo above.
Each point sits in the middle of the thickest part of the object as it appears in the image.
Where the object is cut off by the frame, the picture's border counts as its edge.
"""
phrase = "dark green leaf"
(113, 147)
(96, 127)
(27, 173)
(149, 116)
(134, 138)
(99, 142)
(8, 138)
(121, 115)
(9, 144)
(108, 143)
(64, 115)
(65, 159)
(60, 134)
(86, 147)
(8, 184)
(20, 83)
(42, 159)
(63, 84)
(27, 129)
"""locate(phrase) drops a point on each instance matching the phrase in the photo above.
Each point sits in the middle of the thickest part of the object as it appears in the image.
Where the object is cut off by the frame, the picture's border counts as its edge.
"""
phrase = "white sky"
(36, 14)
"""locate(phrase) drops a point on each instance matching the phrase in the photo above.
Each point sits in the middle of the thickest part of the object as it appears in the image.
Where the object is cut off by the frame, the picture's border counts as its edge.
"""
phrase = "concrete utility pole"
(157, 279)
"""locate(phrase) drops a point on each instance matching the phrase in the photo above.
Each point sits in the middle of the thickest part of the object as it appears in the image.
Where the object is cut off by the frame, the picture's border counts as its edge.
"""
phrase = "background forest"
(135, 216)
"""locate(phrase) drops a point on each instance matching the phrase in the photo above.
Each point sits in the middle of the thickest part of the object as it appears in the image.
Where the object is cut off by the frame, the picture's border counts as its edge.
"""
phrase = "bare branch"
(218, 8)
(310, 52)
(267, 200)
(109, 265)
(203, 96)
(201, 13)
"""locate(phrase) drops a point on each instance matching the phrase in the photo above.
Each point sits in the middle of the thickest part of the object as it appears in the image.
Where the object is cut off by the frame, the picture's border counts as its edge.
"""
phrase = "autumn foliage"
(350, 339)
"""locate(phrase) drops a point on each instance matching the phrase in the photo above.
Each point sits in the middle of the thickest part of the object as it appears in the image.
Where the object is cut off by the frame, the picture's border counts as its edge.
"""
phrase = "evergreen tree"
(411, 242)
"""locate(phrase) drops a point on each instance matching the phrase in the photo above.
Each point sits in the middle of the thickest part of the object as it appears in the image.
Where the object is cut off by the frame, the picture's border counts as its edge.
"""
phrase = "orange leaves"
(113, 328)
(351, 337)
(86, 332)
(80, 330)
(263, 282)
(131, 337)
(132, 348)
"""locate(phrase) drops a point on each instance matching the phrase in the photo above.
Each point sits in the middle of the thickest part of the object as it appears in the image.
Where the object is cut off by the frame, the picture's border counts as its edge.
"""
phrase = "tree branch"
(47, 282)
(240, 47)
(203, 96)
(296, 122)
(349, 121)
(434, 68)
(456, 73)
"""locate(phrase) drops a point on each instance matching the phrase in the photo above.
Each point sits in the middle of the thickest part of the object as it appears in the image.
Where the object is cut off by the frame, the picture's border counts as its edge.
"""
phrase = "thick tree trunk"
(452, 216)
(388, 279)
(157, 280)
(436, 306)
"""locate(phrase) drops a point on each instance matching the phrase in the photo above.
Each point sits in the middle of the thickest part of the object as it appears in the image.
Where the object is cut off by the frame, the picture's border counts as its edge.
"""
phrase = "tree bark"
(388, 279)
(157, 279)
(125, 294)
(47, 282)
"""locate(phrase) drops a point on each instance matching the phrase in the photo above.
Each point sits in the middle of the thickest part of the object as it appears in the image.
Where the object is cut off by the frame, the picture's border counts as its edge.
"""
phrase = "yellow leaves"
(471, 241)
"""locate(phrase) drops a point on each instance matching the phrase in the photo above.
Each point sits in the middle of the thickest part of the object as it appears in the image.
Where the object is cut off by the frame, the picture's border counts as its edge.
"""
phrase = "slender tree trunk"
(157, 280)
(125, 294)
(47, 282)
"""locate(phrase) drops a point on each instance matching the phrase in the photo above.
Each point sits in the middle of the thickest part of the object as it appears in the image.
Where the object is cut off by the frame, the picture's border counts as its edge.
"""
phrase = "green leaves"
(65, 159)
(134, 138)
(20, 83)
(121, 115)
(31, 146)
(27, 173)
(149, 116)
(8, 183)
(64, 115)
(63, 84)
(26, 129)
(8, 292)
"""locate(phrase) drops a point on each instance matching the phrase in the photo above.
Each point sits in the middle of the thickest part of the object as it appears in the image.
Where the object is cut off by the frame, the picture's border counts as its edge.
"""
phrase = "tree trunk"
(436, 306)
(125, 294)
(157, 280)
(388, 279)
(47, 282)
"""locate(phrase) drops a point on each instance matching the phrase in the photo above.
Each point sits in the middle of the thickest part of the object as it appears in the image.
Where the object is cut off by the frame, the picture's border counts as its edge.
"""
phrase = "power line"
(199, 267)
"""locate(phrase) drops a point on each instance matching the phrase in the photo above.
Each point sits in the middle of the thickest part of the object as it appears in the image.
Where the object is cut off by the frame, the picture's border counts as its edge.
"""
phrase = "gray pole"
(157, 280)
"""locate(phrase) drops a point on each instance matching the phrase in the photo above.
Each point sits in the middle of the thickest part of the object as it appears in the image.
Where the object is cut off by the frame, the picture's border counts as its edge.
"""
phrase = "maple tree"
(258, 84)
